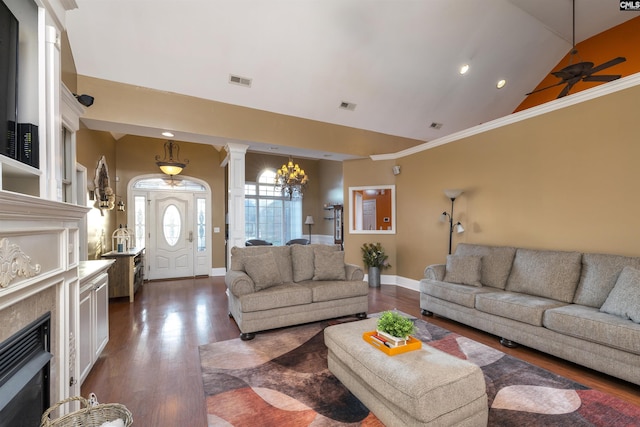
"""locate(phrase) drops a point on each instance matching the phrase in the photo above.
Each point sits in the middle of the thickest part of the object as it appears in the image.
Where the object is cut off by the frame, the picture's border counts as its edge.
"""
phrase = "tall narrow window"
(139, 206)
(201, 211)
(67, 166)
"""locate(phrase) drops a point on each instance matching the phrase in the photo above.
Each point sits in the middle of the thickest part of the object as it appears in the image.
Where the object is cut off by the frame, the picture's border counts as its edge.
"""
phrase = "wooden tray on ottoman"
(412, 344)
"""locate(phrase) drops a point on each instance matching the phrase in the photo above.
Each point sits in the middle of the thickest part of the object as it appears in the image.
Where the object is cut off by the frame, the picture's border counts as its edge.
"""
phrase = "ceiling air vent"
(435, 125)
(347, 105)
(237, 80)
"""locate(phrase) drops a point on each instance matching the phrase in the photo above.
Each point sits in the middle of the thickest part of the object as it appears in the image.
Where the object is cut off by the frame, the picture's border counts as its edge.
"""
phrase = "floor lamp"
(451, 194)
(309, 222)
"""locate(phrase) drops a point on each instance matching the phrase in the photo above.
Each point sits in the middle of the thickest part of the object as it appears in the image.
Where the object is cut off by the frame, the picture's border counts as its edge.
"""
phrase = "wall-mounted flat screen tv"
(8, 81)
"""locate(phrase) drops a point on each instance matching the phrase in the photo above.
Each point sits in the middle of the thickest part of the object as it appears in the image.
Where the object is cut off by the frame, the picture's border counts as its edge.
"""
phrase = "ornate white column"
(235, 160)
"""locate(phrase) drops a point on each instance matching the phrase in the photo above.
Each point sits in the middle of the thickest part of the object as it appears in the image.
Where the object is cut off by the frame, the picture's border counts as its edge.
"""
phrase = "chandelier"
(290, 179)
(168, 164)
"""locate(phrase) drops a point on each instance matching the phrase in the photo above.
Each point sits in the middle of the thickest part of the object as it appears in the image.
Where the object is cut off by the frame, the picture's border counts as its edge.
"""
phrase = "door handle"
(191, 236)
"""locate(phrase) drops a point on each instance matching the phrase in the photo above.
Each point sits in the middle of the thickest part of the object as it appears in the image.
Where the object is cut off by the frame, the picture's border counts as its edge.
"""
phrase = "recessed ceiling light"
(167, 134)
(501, 83)
(464, 69)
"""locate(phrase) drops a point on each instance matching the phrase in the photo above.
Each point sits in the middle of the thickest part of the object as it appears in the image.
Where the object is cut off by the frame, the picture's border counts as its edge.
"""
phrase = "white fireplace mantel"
(39, 258)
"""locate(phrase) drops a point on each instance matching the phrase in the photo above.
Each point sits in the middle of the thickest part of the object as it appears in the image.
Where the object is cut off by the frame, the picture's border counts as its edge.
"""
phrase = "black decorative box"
(27, 140)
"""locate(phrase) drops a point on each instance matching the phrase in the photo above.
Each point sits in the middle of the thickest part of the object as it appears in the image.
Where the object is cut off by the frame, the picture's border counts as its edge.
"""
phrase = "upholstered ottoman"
(424, 387)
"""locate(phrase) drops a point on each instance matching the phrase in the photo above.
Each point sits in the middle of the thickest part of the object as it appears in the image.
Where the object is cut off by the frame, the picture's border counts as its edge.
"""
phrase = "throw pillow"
(624, 298)
(328, 265)
(465, 270)
(302, 257)
(263, 270)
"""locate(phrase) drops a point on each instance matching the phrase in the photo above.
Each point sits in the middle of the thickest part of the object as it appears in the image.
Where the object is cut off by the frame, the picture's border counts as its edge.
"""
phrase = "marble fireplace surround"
(39, 274)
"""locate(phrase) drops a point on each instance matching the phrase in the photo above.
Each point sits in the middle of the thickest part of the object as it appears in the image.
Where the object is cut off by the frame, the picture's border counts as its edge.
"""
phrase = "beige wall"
(361, 173)
(90, 147)
(565, 180)
(127, 104)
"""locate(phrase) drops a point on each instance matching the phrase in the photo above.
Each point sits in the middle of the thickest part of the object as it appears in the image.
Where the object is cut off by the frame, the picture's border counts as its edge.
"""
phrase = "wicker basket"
(92, 414)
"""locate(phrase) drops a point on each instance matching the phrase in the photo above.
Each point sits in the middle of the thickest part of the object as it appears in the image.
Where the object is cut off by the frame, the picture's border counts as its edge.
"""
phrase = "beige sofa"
(275, 286)
(581, 307)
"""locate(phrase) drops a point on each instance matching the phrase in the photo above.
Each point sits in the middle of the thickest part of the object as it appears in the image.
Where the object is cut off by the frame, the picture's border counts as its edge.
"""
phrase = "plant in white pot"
(395, 327)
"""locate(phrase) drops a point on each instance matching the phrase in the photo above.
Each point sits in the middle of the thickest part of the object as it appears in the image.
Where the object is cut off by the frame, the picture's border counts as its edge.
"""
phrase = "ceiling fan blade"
(611, 63)
(545, 88)
(567, 88)
(602, 78)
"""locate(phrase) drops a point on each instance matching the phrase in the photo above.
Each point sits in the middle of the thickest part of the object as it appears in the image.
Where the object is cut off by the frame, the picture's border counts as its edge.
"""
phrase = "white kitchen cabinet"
(93, 311)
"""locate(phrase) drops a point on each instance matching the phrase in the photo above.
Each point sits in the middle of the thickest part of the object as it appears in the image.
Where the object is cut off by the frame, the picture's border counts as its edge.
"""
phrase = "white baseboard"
(387, 279)
(218, 271)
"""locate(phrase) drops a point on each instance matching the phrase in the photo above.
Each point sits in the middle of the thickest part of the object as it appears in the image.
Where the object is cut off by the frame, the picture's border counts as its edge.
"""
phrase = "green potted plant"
(375, 260)
(396, 327)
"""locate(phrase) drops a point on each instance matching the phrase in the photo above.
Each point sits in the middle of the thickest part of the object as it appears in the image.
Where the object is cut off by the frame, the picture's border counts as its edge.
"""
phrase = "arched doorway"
(171, 219)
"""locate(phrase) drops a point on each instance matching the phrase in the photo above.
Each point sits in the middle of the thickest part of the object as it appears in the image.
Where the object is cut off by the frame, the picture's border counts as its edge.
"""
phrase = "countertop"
(89, 268)
(130, 252)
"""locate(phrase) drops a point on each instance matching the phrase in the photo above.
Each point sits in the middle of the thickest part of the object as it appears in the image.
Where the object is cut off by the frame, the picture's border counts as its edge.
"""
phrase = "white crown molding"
(557, 104)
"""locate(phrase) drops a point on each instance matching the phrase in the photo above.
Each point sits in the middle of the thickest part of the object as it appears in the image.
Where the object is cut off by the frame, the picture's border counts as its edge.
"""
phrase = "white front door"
(172, 236)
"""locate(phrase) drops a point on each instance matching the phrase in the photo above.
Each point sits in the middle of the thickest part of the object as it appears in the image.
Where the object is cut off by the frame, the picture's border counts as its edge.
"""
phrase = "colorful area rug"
(281, 379)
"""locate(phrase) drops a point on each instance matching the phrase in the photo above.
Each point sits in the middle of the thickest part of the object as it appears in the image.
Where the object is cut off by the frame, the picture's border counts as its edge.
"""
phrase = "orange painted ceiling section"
(622, 40)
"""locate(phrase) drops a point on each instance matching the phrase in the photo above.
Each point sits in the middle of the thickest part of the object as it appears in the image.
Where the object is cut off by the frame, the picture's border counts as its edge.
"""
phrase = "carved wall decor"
(103, 191)
(14, 263)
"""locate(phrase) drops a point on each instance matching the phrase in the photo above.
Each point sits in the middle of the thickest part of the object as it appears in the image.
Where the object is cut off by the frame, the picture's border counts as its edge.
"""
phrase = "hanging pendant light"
(170, 165)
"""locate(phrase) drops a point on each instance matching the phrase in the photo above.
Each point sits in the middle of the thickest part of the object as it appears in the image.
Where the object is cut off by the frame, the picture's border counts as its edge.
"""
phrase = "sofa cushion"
(548, 274)
(464, 270)
(624, 299)
(332, 290)
(459, 294)
(285, 295)
(589, 323)
(302, 257)
(496, 262)
(515, 306)
(281, 253)
(263, 270)
(599, 275)
(328, 265)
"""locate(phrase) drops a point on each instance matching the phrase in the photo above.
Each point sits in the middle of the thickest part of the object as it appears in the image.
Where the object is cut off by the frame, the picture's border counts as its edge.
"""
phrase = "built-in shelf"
(328, 208)
(19, 177)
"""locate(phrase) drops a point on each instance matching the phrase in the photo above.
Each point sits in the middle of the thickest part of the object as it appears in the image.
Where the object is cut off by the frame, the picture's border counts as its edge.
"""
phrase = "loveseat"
(581, 307)
(271, 287)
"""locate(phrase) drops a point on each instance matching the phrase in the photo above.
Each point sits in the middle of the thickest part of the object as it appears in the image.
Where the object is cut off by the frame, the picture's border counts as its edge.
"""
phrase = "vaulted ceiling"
(394, 63)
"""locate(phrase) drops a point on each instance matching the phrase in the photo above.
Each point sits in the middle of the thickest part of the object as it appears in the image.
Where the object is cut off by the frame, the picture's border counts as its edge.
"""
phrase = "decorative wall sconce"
(120, 204)
(451, 194)
(309, 221)
(290, 179)
(170, 165)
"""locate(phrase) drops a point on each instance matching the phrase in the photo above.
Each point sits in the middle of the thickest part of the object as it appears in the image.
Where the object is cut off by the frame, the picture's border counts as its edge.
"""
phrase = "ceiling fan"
(581, 71)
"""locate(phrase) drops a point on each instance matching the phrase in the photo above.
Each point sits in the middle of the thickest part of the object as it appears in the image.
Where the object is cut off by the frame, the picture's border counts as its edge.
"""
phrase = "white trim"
(218, 271)
(557, 104)
(403, 282)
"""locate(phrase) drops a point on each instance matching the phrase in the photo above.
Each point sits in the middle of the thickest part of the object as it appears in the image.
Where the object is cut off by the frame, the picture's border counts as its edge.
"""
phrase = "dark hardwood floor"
(151, 363)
